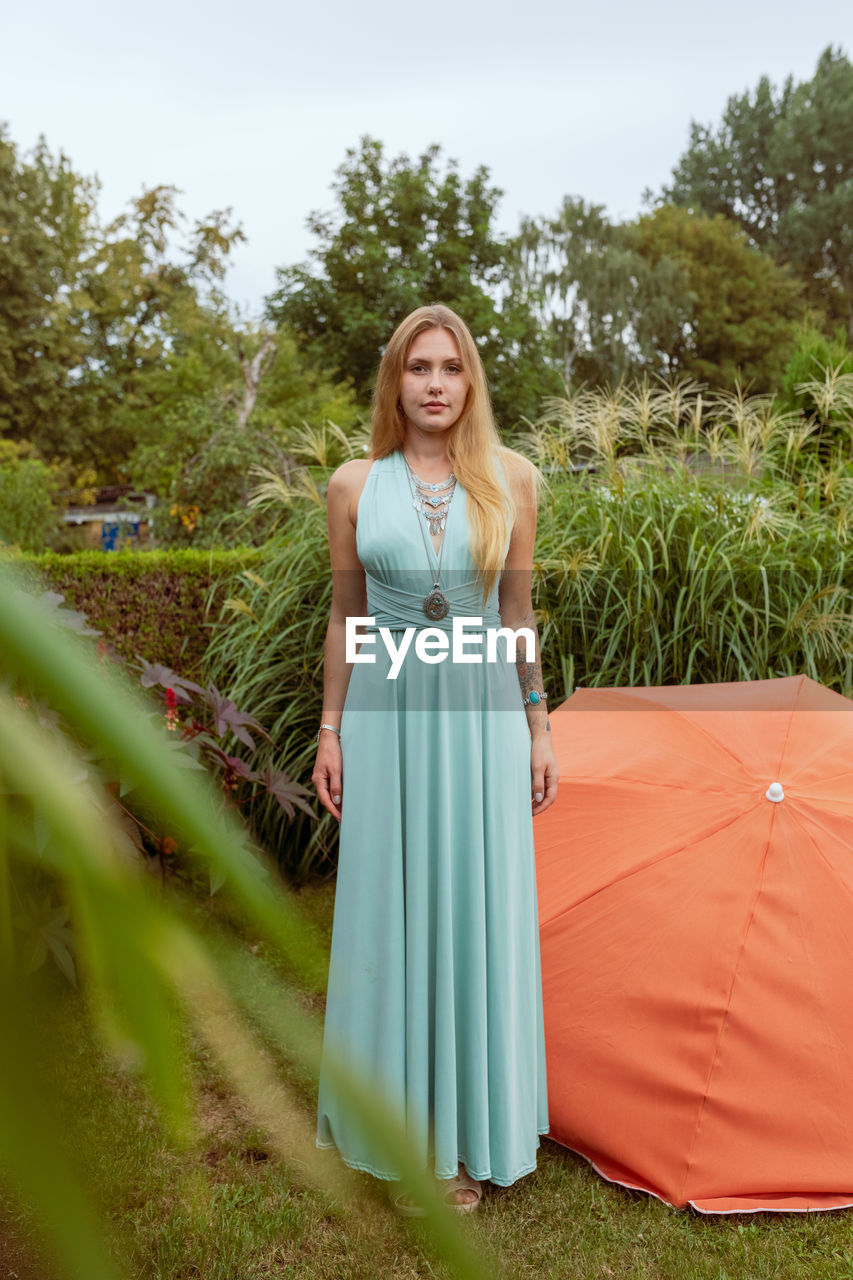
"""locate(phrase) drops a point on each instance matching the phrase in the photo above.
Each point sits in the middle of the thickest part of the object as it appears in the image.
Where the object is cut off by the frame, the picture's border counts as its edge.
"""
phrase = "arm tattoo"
(530, 677)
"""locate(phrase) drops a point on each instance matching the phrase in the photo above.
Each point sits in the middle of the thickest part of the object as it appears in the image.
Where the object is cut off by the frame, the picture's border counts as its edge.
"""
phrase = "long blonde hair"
(473, 444)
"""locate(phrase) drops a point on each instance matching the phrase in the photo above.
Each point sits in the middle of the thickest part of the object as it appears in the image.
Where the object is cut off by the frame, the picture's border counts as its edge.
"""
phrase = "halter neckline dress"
(434, 979)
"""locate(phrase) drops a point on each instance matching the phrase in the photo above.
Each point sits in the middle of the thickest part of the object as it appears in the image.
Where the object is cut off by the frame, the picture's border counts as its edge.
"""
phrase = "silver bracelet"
(533, 697)
(327, 726)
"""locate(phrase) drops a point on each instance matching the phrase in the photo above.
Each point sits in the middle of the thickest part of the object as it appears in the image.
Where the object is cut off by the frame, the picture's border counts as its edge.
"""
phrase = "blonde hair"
(473, 443)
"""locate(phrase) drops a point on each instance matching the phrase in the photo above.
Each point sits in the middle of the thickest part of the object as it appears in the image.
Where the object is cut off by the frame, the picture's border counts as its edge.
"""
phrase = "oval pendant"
(436, 605)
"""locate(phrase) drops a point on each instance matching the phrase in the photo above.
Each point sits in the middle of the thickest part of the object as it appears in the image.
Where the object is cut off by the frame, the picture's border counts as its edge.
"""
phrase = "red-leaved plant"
(206, 717)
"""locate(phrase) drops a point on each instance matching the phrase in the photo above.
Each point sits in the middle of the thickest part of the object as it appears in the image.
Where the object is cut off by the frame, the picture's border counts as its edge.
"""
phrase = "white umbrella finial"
(774, 792)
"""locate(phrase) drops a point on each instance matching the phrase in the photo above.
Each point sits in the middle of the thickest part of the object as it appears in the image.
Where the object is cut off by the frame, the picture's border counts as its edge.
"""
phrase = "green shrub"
(27, 497)
(153, 603)
(199, 469)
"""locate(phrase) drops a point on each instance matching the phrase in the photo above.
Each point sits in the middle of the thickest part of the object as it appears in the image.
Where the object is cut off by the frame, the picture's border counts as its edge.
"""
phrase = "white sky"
(253, 105)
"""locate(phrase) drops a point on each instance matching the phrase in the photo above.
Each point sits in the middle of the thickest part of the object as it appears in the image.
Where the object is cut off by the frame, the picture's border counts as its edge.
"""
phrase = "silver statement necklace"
(433, 501)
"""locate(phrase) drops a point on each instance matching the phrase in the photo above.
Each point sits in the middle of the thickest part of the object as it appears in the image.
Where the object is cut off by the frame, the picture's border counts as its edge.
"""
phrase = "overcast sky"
(254, 104)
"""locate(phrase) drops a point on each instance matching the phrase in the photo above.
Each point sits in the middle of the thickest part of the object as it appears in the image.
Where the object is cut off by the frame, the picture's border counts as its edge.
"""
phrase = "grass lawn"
(229, 1209)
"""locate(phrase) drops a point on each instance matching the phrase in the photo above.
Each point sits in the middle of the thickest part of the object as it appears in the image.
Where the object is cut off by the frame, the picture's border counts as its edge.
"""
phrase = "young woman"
(435, 764)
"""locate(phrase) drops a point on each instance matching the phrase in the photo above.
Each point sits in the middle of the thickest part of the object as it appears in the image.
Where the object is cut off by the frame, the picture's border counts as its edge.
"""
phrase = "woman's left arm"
(516, 609)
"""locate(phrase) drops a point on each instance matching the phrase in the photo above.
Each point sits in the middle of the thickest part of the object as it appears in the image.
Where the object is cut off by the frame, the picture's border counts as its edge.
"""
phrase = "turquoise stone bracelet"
(533, 698)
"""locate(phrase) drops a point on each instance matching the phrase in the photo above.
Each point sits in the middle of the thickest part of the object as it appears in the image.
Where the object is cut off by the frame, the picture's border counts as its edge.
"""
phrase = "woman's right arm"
(349, 599)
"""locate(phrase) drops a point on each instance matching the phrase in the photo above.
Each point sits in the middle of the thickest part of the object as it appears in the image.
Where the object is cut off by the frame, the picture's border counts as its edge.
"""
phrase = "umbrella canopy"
(695, 883)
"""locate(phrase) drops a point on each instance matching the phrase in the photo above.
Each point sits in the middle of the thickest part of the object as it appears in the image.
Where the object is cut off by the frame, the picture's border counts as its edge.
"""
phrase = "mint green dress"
(434, 980)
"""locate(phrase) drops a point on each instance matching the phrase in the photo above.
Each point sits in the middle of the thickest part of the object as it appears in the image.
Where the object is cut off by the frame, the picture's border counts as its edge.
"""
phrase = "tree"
(744, 309)
(46, 227)
(198, 448)
(781, 165)
(157, 327)
(672, 293)
(120, 356)
(607, 312)
(101, 326)
(404, 234)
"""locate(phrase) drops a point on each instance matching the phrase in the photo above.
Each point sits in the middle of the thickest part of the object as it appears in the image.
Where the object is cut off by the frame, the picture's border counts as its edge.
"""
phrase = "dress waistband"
(397, 609)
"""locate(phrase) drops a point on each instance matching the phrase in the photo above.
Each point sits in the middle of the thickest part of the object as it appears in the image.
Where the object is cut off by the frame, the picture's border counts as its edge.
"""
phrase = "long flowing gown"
(434, 981)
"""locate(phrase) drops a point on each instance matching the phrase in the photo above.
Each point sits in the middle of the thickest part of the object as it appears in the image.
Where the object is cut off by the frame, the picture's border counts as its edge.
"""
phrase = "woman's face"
(434, 385)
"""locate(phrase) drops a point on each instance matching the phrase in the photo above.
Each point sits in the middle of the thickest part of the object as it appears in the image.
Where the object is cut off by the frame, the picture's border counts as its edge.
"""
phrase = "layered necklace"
(433, 502)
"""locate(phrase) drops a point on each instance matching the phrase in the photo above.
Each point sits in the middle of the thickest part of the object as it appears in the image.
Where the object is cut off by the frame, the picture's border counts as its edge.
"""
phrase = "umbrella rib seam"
(725, 1016)
(783, 752)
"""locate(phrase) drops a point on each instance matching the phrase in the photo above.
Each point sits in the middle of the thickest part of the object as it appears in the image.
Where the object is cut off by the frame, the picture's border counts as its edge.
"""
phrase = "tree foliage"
(198, 450)
(741, 309)
(156, 325)
(594, 295)
(46, 213)
(120, 356)
(672, 293)
(27, 497)
(780, 164)
(100, 323)
(405, 233)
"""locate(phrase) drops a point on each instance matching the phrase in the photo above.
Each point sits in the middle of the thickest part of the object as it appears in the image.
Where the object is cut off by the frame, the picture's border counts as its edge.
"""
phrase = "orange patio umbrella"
(695, 882)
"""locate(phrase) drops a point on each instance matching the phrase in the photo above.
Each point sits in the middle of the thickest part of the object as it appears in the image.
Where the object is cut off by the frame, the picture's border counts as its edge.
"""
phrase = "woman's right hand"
(328, 772)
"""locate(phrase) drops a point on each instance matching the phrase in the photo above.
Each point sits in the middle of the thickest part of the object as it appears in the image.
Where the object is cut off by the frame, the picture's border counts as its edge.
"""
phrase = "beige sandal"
(463, 1182)
(409, 1208)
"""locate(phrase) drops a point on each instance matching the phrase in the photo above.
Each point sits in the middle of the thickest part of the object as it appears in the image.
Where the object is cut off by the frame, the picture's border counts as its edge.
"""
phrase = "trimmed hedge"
(152, 603)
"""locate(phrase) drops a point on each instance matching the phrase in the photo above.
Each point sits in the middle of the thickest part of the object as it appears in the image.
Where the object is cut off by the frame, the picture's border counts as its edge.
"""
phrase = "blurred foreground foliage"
(66, 722)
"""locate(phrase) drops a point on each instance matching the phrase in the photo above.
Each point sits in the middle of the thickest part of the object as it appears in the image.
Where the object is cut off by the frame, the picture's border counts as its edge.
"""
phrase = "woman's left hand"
(544, 773)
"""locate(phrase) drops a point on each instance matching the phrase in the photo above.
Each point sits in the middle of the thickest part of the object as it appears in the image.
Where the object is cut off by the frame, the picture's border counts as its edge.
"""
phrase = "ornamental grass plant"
(693, 538)
(685, 536)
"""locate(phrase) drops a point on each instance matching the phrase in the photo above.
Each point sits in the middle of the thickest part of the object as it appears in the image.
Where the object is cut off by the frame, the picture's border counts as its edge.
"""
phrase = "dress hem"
(441, 1177)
